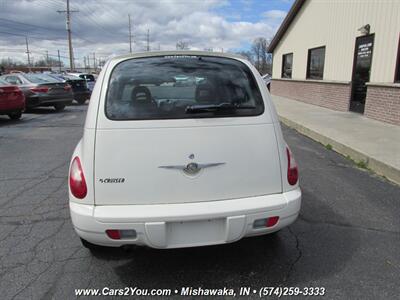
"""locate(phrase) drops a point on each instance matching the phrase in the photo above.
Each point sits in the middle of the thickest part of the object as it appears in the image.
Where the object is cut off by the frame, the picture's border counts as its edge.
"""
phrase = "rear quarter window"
(179, 87)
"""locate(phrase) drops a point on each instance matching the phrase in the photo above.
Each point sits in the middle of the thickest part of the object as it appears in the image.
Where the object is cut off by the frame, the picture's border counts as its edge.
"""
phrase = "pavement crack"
(299, 255)
(346, 225)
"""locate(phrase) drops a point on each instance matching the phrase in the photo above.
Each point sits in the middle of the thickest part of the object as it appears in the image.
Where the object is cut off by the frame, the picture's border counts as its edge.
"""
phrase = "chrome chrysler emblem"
(191, 168)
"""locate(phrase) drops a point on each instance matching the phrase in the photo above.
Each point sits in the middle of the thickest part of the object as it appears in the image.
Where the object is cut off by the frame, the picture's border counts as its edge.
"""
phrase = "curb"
(377, 166)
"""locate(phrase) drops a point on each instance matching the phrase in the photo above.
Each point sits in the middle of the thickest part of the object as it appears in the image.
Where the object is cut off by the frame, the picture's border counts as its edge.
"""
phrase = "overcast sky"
(101, 26)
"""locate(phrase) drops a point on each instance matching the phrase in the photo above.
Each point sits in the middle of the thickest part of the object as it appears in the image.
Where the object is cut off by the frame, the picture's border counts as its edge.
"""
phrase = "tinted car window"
(169, 87)
(39, 78)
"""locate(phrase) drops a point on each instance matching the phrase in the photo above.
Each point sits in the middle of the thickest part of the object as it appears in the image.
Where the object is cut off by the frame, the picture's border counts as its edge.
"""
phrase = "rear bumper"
(187, 224)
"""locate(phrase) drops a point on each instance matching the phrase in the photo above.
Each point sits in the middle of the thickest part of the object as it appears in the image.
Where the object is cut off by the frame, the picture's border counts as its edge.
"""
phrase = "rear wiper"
(192, 109)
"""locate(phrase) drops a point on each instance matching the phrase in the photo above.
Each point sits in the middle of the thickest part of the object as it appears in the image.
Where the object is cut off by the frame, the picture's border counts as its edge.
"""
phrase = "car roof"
(177, 53)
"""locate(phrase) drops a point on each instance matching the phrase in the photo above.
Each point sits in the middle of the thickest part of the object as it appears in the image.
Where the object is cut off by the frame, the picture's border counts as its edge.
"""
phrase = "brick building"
(342, 55)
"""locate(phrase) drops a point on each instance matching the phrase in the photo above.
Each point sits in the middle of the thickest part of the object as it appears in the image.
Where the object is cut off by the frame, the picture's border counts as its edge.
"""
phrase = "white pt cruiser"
(181, 149)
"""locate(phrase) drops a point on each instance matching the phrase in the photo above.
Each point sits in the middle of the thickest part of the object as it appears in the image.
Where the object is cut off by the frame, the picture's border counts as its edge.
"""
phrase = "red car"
(12, 100)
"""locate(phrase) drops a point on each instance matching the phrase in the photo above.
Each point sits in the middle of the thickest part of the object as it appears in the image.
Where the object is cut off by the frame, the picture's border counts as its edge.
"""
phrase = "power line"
(30, 25)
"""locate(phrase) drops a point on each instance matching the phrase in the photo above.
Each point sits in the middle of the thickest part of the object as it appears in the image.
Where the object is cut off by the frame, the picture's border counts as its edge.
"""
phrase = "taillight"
(39, 89)
(67, 87)
(292, 171)
(113, 234)
(77, 182)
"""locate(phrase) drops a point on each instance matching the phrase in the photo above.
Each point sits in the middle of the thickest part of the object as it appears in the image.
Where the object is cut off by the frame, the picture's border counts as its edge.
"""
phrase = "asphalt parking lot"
(346, 239)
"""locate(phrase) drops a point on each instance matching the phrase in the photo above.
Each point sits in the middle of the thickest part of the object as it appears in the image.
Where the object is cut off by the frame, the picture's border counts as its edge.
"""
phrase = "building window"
(315, 63)
(287, 62)
(397, 69)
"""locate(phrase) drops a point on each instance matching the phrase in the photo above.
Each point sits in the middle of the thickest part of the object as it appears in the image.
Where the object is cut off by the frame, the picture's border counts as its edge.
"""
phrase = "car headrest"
(141, 94)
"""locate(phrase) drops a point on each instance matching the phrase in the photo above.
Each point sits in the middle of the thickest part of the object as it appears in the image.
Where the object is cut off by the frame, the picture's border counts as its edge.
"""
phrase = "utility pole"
(148, 39)
(94, 61)
(84, 63)
(28, 52)
(47, 58)
(88, 62)
(59, 60)
(68, 24)
(130, 34)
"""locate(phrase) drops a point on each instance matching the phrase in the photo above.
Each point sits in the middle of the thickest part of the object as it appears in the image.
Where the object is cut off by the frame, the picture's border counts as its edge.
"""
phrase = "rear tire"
(15, 116)
(59, 107)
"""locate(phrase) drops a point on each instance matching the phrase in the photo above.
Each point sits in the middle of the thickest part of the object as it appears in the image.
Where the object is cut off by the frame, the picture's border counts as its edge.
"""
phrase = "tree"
(182, 45)
(51, 62)
(9, 62)
(262, 59)
(247, 54)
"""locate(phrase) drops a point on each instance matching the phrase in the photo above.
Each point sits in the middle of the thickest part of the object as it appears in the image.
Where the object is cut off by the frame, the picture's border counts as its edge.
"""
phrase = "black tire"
(59, 107)
(81, 101)
(15, 115)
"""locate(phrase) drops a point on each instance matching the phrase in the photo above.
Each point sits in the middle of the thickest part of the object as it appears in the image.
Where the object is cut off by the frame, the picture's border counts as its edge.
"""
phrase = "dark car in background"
(79, 86)
(41, 90)
(90, 79)
(12, 100)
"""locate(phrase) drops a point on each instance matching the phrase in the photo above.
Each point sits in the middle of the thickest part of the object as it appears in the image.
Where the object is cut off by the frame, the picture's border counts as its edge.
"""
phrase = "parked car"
(12, 100)
(41, 90)
(267, 79)
(90, 79)
(79, 87)
(179, 166)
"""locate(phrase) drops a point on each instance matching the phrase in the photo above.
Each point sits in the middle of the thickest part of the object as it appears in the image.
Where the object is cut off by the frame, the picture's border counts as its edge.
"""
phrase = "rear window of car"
(40, 78)
(180, 87)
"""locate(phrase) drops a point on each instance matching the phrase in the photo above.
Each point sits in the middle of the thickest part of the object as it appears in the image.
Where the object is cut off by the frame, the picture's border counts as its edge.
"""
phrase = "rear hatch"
(152, 149)
(57, 90)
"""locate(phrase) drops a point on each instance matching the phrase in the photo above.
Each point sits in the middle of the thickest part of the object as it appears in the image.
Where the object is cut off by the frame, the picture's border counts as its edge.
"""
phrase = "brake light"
(292, 172)
(271, 221)
(67, 87)
(39, 89)
(77, 182)
(113, 234)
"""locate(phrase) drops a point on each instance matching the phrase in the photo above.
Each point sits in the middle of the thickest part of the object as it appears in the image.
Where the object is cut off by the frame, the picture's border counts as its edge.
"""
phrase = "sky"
(101, 26)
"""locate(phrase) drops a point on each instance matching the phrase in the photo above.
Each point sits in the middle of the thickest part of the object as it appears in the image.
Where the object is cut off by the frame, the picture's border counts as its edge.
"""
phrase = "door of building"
(361, 72)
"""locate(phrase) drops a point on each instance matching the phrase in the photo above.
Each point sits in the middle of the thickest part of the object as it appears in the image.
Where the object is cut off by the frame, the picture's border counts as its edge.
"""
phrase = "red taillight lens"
(39, 89)
(113, 234)
(271, 221)
(67, 87)
(77, 182)
(292, 172)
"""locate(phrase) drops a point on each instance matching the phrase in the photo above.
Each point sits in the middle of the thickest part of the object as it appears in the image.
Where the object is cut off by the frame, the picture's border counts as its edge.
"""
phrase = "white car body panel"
(154, 200)
(154, 224)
